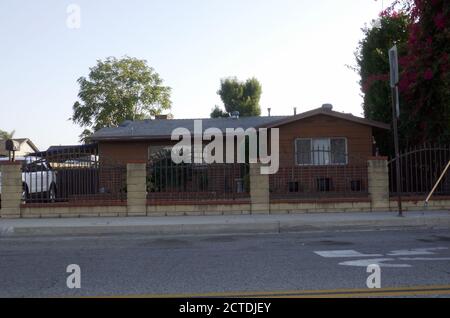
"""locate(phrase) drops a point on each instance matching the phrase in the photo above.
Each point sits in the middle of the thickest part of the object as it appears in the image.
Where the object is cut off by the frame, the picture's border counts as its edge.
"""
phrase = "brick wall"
(378, 176)
(136, 189)
(11, 190)
(136, 203)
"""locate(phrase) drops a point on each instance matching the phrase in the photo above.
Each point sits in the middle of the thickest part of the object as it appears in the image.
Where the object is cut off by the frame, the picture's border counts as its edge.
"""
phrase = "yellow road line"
(331, 293)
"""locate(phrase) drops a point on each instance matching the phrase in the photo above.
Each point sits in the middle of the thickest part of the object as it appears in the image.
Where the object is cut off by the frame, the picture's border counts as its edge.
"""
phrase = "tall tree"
(424, 72)
(239, 96)
(6, 135)
(117, 90)
(373, 67)
(425, 76)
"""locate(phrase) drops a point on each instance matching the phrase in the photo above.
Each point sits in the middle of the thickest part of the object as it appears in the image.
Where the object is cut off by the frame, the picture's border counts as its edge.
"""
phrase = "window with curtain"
(321, 151)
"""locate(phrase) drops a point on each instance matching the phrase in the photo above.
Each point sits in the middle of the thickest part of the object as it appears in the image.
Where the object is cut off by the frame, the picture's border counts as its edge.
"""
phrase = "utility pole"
(393, 61)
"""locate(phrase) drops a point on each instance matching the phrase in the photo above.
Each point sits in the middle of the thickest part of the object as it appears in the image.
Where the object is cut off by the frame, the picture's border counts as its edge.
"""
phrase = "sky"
(298, 49)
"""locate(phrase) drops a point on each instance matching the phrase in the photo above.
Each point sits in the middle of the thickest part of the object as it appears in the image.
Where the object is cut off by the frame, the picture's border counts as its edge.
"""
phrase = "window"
(321, 151)
(303, 151)
(338, 147)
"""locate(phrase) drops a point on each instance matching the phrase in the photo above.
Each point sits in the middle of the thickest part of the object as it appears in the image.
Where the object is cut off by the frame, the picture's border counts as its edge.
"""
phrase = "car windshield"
(32, 163)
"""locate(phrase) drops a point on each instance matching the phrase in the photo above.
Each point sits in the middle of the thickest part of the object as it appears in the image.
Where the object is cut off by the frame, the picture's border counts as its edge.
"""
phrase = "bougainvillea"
(424, 81)
(373, 67)
(424, 71)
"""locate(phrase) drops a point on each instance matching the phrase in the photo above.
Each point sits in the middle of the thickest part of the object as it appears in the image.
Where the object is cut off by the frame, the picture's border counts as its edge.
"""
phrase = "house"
(317, 137)
(321, 153)
(26, 147)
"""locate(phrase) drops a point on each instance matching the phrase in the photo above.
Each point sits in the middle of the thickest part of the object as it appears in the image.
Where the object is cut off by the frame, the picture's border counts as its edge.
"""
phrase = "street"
(239, 265)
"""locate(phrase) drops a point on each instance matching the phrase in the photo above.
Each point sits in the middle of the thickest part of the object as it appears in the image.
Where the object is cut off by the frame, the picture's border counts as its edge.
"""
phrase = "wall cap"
(321, 200)
(151, 202)
(80, 204)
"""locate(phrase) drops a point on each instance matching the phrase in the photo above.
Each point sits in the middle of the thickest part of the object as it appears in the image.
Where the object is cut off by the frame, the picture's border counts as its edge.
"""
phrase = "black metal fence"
(167, 181)
(322, 177)
(73, 175)
(420, 168)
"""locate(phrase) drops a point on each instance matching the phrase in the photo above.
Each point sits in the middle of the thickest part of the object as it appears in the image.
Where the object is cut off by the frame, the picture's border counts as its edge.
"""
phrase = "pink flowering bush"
(425, 78)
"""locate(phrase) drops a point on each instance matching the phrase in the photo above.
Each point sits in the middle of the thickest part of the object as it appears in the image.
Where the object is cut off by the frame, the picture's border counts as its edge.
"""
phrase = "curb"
(260, 227)
(153, 230)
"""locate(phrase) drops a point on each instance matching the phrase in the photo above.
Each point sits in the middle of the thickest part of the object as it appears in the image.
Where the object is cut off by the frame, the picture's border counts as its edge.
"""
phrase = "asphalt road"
(274, 265)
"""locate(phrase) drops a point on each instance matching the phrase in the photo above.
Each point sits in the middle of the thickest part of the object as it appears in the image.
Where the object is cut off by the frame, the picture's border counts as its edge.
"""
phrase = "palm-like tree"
(6, 135)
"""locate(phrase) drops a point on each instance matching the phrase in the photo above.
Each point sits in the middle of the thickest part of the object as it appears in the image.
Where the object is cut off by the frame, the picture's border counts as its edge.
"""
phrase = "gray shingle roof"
(162, 128)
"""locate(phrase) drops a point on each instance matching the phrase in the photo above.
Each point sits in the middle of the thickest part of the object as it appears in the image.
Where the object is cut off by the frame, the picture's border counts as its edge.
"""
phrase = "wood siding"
(359, 137)
(359, 140)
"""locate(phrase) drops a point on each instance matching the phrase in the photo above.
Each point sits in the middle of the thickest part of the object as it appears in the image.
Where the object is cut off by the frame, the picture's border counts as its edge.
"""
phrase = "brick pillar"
(11, 189)
(378, 175)
(136, 189)
(259, 190)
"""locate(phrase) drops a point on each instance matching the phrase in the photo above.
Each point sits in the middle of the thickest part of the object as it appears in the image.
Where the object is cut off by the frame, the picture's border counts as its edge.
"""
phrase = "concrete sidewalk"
(237, 224)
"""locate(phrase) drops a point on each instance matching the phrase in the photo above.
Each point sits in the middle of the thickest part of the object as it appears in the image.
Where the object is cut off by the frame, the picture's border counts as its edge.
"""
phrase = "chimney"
(164, 116)
(268, 111)
(328, 107)
(295, 111)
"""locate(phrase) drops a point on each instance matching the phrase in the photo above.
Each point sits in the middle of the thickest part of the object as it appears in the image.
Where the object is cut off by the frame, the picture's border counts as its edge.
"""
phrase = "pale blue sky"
(297, 49)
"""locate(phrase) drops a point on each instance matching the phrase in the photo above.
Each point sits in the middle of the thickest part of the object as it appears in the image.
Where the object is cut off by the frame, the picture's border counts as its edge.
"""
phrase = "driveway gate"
(420, 168)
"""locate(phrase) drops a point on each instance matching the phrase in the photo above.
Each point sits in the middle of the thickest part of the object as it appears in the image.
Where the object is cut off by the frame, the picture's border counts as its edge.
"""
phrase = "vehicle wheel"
(51, 195)
(25, 194)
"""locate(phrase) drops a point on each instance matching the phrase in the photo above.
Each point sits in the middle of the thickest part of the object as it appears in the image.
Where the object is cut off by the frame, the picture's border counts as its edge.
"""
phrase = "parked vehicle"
(38, 179)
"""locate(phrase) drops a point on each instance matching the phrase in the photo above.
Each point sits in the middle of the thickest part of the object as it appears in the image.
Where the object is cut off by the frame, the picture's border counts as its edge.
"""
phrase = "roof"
(162, 128)
(71, 151)
(21, 141)
(323, 111)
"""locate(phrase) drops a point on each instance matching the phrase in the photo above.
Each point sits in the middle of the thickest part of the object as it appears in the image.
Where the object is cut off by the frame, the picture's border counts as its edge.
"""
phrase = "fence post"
(378, 175)
(259, 190)
(11, 189)
(136, 189)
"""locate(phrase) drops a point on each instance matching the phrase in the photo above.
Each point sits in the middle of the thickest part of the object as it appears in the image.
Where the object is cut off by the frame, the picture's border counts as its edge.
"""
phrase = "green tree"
(424, 65)
(425, 75)
(239, 96)
(117, 90)
(6, 135)
(373, 67)
(218, 113)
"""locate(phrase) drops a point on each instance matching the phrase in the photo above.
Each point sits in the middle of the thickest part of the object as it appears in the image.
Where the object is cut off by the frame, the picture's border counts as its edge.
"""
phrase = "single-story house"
(342, 135)
(26, 147)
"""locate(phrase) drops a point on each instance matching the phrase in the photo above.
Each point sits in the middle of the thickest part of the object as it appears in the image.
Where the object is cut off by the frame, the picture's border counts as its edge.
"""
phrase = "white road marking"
(416, 251)
(377, 261)
(344, 253)
(382, 261)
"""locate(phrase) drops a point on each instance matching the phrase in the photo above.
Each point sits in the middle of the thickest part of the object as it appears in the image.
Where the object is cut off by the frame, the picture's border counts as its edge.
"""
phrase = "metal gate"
(170, 182)
(324, 177)
(72, 174)
(420, 168)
